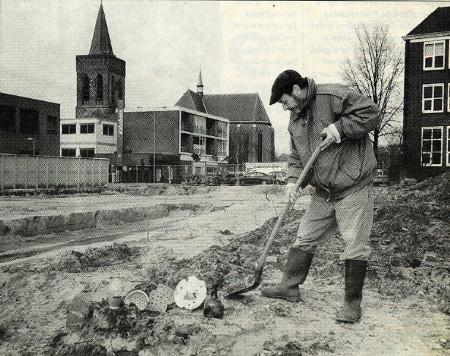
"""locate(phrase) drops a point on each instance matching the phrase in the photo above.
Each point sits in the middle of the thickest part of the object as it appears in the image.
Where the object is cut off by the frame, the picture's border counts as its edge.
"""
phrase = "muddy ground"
(405, 308)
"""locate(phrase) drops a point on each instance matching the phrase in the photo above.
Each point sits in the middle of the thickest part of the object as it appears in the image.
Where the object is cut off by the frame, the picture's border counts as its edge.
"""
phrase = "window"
(222, 129)
(52, 125)
(431, 146)
(221, 148)
(86, 128)
(68, 129)
(433, 55)
(200, 145)
(29, 121)
(260, 146)
(200, 124)
(432, 98)
(84, 88)
(448, 145)
(99, 96)
(448, 98)
(7, 118)
(113, 87)
(119, 89)
(68, 152)
(87, 152)
(108, 130)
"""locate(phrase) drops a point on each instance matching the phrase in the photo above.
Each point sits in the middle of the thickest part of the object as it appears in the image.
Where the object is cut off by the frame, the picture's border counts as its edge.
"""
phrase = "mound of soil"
(158, 189)
(75, 261)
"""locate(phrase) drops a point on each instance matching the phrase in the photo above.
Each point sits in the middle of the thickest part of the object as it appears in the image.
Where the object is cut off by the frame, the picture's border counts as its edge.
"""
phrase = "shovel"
(237, 289)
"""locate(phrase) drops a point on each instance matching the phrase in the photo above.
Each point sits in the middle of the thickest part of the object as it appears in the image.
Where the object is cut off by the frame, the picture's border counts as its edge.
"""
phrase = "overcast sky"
(240, 47)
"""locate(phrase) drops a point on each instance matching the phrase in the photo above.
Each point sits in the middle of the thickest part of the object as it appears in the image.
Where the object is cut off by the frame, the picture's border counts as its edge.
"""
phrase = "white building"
(87, 137)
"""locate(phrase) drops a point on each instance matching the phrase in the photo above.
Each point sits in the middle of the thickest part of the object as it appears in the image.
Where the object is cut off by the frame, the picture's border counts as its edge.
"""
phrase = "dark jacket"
(342, 168)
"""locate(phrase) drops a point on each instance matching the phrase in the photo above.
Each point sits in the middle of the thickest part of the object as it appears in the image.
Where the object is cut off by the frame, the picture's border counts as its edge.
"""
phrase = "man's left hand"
(329, 136)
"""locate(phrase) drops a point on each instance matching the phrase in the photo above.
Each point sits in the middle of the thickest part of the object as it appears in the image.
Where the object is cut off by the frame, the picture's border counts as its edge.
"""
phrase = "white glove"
(290, 192)
(329, 135)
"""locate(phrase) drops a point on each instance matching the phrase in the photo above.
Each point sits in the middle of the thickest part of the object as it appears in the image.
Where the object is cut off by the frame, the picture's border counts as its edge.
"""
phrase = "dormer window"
(433, 55)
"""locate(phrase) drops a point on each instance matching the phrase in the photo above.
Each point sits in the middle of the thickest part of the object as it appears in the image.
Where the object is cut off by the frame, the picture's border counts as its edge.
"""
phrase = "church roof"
(101, 43)
(437, 21)
(193, 101)
(235, 107)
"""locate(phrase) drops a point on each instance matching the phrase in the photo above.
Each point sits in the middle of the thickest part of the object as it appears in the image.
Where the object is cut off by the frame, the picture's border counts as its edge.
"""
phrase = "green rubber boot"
(355, 273)
(296, 270)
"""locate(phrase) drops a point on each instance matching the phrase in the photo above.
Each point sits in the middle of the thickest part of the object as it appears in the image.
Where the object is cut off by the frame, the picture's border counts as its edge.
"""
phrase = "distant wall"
(20, 171)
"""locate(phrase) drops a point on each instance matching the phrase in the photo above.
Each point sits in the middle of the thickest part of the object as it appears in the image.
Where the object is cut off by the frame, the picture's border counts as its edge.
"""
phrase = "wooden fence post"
(37, 172)
(48, 171)
(56, 172)
(3, 172)
(14, 180)
(26, 172)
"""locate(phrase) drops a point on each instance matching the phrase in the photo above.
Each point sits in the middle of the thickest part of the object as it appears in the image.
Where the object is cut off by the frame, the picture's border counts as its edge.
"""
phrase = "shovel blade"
(240, 288)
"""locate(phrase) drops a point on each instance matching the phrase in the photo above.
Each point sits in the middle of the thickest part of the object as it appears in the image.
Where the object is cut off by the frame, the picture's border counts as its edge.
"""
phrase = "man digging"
(339, 121)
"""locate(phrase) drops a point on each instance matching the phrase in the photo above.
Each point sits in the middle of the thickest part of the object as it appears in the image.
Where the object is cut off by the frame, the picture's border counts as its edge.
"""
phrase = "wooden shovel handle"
(306, 169)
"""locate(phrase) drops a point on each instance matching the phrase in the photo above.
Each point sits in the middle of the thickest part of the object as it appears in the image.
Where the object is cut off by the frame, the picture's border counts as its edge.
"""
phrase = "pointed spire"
(200, 84)
(101, 43)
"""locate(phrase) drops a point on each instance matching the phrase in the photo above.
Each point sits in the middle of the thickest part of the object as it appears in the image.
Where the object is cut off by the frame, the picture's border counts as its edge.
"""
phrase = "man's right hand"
(290, 192)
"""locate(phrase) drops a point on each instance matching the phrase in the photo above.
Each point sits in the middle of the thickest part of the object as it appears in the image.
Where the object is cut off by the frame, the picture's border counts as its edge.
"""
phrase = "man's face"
(295, 100)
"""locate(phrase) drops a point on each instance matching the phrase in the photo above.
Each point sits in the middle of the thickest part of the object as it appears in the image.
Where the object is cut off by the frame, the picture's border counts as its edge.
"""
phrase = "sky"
(240, 47)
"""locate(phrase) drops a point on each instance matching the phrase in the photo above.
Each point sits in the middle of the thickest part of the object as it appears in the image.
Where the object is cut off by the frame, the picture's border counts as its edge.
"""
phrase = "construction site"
(69, 261)
(200, 220)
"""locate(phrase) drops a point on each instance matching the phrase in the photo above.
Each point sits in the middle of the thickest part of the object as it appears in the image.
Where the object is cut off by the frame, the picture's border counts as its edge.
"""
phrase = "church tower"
(100, 76)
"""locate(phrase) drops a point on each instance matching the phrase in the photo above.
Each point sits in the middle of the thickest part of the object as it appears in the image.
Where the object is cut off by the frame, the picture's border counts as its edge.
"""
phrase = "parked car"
(230, 177)
(381, 177)
(279, 176)
(252, 178)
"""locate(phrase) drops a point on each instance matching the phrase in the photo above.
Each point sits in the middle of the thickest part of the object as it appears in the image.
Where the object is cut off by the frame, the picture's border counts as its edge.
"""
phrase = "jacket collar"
(310, 96)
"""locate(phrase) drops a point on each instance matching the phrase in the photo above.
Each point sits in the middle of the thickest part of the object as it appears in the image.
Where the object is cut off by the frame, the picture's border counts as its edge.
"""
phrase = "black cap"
(284, 83)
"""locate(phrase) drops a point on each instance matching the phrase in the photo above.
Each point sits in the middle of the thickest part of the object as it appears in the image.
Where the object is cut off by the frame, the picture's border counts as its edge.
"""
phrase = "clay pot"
(115, 302)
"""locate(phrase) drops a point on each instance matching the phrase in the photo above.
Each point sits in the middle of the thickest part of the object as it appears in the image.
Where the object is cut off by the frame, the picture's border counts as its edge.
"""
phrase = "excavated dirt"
(159, 189)
(406, 300)
(92, 258)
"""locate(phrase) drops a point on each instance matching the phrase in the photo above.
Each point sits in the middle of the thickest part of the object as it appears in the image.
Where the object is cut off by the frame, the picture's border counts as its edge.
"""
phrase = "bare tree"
(375, 70)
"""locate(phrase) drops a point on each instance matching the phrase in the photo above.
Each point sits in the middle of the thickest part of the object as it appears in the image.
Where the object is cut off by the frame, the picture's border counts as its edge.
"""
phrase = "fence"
(199, 172)
(21, 171)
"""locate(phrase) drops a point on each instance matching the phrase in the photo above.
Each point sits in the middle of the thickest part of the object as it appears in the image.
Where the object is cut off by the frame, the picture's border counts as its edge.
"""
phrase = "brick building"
(26, 122)
(100, 75)
(184, 141)
(100, 92)
(426, 118)
(251, 132)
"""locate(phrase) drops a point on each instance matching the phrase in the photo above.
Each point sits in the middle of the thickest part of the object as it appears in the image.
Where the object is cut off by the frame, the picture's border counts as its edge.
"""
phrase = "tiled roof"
(235, 107)
(101, 43)
(193, 101)
(437, 21)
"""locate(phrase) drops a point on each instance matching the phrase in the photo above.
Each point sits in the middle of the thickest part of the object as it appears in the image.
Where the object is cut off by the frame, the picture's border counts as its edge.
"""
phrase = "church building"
(96, 129)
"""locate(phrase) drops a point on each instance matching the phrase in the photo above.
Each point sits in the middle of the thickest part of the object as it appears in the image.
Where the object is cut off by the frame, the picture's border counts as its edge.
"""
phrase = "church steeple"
(101, 43)
(200, 84)
(100, 76)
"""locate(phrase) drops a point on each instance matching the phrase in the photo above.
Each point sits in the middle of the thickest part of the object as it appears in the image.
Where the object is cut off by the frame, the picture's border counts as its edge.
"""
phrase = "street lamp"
(33, 141)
